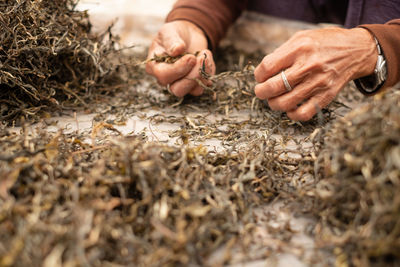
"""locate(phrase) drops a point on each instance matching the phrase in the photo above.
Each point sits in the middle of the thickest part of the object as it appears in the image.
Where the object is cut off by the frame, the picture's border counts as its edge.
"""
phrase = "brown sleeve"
(388, 36)
(213, 17)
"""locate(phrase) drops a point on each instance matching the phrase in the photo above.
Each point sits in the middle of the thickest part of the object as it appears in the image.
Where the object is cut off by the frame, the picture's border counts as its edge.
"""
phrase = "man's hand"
(175, 39)
(318, 64)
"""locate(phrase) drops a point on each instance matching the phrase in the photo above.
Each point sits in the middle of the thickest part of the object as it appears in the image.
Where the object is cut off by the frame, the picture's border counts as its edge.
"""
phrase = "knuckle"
(314, 65)
(317, 64)
(322, 83)
(306, 44)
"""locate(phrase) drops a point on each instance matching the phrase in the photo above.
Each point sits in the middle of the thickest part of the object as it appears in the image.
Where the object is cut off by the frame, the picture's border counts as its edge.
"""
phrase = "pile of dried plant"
(97, 199)
(357, 198)
(48, 55)
(131, 201)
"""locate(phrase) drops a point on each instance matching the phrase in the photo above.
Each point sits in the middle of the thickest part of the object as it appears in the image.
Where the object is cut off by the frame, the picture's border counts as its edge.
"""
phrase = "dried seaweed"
(48, 56)
(99, 198)
(93, 198)
(126, 201)
(357, 197)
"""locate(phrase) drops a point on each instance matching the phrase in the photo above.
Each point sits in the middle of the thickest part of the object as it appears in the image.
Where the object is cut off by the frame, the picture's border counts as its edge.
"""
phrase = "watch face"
(380, 70)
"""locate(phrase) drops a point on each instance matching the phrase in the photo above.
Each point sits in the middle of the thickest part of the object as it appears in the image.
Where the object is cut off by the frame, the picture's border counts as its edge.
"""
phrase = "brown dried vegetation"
(48, 55)
(130, 201)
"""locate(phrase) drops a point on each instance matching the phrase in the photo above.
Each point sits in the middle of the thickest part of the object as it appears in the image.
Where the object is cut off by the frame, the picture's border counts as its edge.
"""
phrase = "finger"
(155, 49)
(303, 91)
(183, 86)
(168, 73)
(275, 86)
(282, 58)
(309, 86)
(197, 91)
(273, 64)
(172, 41)
(208, 67)
(190, 83)
(207, 63)
(306, 111)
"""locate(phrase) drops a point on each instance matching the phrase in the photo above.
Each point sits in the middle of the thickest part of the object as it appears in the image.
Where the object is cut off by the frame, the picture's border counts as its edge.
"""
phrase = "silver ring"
(286, 82)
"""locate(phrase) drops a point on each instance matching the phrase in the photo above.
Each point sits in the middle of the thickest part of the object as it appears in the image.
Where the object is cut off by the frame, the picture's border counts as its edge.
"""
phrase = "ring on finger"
(286, 82)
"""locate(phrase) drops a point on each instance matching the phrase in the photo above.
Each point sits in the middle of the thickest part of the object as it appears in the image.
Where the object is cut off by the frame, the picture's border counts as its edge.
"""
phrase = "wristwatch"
(373, 82)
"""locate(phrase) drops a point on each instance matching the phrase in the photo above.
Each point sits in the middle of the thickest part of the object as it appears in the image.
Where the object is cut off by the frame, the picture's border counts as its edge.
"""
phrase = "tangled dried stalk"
(128, 200)
(48, 55)
(358, 197)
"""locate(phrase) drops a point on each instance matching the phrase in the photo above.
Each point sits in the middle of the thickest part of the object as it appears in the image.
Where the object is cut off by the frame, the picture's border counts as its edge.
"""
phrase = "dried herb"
(103, 198)
(48, 56)
(357, 196)
(126, 201)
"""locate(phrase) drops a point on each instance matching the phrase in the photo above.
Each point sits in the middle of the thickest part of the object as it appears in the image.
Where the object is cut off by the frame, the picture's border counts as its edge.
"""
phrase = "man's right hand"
(174, 39)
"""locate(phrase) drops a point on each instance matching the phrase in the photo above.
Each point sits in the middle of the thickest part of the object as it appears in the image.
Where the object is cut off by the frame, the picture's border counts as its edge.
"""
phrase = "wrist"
(372, 83)
(368, 52)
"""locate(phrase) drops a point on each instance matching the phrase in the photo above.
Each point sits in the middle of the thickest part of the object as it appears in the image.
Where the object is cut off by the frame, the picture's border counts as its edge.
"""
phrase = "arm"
(213, 17)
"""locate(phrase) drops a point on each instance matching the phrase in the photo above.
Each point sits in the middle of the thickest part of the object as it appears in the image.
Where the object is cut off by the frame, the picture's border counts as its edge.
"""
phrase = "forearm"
(213, 17)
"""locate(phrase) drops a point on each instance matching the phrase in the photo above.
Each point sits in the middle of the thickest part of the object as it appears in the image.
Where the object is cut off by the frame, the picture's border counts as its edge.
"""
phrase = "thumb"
(172, 42)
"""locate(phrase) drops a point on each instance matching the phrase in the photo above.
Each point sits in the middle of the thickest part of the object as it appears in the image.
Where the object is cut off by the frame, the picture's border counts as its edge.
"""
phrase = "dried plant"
(48, 55)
